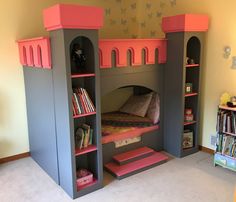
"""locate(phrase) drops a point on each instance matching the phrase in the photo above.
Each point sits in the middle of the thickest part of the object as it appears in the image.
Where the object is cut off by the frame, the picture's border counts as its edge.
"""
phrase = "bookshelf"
(225, 152)
(178, 76)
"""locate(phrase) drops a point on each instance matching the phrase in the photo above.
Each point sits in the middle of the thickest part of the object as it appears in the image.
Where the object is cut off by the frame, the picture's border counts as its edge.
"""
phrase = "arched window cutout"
(130, 57)
(114, 57)
(144, 56)
(39, 52)
(31, 53)
(24, 56)
(156, 55)
(193, 50)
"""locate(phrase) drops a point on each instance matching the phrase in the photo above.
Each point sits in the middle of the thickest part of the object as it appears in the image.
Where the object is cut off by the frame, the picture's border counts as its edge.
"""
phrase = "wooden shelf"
(189, 123)
(228, 133)
(82, 75)
(79, 188)
(86, 150)
(83, 115)
(190, 94)
(193, 65)
(227, 108)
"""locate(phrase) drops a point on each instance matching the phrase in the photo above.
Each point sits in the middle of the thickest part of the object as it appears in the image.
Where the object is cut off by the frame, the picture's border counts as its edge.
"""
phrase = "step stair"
(133, 155)
(135, 166)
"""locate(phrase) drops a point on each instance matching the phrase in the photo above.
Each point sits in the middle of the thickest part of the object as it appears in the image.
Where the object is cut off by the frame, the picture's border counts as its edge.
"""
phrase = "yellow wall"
(123, 19)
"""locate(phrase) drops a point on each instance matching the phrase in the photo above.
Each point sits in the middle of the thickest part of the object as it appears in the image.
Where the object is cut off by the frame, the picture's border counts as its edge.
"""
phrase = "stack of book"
(226, 145)
(82, 104)
(226, 121)
(83, 136)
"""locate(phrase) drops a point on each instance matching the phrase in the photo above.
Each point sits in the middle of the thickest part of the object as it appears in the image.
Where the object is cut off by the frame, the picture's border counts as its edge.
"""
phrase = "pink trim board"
(135, 46)
(66, 16)
(129, 134)
(185, 23)
(35, 52)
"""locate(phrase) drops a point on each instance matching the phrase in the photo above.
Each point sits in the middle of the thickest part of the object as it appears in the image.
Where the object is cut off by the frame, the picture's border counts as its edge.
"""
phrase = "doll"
(78, 56)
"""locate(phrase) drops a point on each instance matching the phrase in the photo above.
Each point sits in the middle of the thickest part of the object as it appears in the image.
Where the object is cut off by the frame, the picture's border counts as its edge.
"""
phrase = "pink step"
(121, 171)
(133, 155)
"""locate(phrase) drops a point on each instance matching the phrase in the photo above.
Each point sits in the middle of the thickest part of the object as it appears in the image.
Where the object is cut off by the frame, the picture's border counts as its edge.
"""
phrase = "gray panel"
(41, 119)
(174, 90)
(61, 41)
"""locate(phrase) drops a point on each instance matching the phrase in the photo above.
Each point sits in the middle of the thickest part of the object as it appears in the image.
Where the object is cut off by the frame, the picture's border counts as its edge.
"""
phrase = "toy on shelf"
(78, 56)
(188, 88)
(187, 139)
(188, 117)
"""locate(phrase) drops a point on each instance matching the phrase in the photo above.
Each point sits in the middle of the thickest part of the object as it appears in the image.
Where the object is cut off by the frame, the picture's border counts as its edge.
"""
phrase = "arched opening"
(24, 55)
(39, 53)
(130, 57)
(82, 55)
(128, 110)
(144, 56)
(193, 50)
(193, 58)
(114, 57)
(31, 54)
(156, 55)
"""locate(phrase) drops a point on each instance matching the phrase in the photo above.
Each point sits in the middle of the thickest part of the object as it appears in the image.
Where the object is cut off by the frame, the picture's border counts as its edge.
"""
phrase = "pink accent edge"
(129, 134)
(66, 16)
(35, 52)
(136, 165)
(83, 115)
(190, 94)
(185, 23)
(82, 75)
(132, 154)
(88, 149)
(135, 46)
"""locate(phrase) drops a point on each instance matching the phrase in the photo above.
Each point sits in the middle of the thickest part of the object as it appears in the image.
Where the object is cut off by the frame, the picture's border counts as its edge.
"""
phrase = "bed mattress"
(118, 126)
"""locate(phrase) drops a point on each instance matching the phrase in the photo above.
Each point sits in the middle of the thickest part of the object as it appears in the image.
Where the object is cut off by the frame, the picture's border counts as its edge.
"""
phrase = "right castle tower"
(182, 82)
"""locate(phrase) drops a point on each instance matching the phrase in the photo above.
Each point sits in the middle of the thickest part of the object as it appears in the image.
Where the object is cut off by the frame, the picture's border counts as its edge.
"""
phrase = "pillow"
(153, 111)
(137, 105)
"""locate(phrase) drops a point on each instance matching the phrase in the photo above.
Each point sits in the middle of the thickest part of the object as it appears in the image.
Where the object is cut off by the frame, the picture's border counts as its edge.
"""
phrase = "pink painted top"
(185, 23)
(66, 16)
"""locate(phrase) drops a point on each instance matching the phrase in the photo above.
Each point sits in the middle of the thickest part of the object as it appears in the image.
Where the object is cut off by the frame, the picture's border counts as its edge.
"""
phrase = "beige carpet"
(190, 179)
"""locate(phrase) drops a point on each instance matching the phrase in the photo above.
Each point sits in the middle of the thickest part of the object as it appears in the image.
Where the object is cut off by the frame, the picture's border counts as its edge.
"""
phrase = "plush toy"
(78, 56)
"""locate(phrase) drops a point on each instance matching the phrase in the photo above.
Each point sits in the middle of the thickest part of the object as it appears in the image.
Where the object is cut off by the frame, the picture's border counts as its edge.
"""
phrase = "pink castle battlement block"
(135, 46)
(35, 52)
(66, 16)
(185, 23)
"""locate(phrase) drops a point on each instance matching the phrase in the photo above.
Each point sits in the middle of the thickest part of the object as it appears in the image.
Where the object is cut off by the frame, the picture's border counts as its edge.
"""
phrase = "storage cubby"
(182, 91)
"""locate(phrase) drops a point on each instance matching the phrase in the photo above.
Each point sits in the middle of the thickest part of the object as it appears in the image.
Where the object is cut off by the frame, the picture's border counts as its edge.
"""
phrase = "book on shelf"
(226, 145)
(83, 136)
(226, 121)
(81, 102)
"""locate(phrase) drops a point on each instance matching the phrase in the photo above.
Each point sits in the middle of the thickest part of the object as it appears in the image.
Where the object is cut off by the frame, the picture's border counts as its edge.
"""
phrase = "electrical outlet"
(213, 140)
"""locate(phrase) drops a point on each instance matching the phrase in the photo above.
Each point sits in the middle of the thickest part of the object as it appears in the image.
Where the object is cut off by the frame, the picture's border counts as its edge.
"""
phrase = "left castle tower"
(51, 72)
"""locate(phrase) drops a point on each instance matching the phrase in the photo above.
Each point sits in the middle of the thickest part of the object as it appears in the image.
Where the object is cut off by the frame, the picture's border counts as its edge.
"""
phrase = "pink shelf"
(189, 123)
(83, 115)
(82, 75)
(227, 108)
(190, 94)
(88, 149)
(193, 65)
(87, 185)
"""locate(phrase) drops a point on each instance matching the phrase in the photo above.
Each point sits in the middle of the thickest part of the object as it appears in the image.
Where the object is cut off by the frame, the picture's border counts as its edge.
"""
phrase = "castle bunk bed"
(136, 63)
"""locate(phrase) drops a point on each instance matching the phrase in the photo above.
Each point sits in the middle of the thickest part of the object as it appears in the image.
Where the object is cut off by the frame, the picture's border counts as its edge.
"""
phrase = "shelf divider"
(83, 115)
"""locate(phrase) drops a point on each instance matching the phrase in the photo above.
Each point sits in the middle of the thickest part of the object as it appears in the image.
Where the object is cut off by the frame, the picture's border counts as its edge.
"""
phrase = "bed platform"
(136, 63)
(118, 126)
